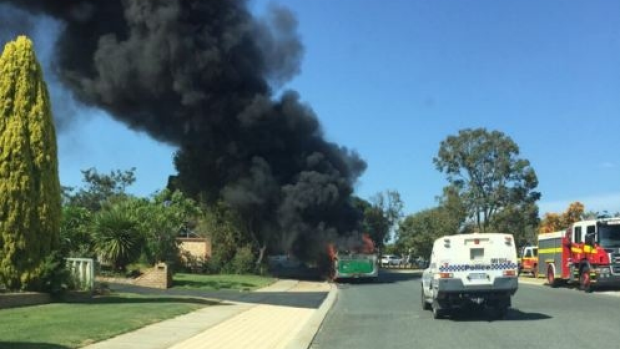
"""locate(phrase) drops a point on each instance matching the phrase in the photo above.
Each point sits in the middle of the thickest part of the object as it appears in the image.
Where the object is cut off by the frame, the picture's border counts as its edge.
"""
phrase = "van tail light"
(510, 272)
(445, 275)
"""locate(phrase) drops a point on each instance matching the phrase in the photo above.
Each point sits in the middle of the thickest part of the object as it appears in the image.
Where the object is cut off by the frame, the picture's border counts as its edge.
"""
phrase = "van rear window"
(476, 254)
(476, 241)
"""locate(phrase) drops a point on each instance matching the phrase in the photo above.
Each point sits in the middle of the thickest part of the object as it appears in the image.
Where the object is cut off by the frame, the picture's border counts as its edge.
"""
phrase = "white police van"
(470, 269)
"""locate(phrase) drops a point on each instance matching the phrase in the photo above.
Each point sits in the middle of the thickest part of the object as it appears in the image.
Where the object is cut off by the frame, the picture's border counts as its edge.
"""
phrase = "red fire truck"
(587, 253)
(528, 263)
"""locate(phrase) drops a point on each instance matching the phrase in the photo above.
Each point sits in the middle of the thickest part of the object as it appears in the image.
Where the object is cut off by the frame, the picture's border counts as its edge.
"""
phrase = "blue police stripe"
(477, 267)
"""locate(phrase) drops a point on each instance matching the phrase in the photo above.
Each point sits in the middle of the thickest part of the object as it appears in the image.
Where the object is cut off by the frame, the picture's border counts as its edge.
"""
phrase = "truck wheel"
(425, 304)
(551, 280)
(500, 312)
(585, 283)
(437, 312)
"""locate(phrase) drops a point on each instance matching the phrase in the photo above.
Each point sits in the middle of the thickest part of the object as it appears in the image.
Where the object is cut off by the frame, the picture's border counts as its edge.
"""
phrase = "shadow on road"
(311, 300)
(596, 289)
(568, 286)
(301, 273)
(488, 315)
(387, 276)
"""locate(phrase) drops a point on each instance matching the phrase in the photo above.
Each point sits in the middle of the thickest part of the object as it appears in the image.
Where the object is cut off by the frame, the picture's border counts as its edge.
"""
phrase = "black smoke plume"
(199, 75)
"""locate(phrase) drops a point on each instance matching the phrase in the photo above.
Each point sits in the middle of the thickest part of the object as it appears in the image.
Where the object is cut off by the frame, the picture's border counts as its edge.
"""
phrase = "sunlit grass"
(73, 325)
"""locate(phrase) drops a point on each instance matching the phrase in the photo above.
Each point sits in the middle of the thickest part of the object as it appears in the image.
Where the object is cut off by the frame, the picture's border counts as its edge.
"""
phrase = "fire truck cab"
(587, 253)
(528, 263)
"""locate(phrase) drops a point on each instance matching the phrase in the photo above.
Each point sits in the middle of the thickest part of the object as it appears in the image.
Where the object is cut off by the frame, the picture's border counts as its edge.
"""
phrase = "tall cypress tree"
(30, 206)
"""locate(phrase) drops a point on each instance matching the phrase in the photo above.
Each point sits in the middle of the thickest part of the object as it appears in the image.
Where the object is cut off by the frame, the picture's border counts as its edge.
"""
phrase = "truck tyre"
(500, 312)
(438, 313)
(425, 304)
(551, 280)
(585, 283)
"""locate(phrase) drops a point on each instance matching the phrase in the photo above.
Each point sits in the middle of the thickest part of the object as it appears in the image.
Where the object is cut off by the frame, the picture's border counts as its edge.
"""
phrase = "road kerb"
(304, 338)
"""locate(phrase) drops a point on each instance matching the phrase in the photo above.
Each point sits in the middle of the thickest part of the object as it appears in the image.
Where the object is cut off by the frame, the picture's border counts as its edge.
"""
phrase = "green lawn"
(221, 282)
(76, 324)
(73, 325)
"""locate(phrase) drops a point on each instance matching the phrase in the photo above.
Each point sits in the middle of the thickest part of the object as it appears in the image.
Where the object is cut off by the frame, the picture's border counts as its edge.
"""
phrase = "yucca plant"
(117, 237)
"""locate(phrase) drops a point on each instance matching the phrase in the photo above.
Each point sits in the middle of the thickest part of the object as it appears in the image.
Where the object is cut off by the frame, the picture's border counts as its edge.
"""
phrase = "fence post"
(83, 270)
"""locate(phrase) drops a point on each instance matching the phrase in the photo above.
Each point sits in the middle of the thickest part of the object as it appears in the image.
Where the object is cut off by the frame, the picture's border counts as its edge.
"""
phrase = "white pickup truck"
(470, 270)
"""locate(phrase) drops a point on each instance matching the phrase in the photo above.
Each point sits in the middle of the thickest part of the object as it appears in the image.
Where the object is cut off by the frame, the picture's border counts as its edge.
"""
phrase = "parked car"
(391, 260)
(283, 261)
(421, 263)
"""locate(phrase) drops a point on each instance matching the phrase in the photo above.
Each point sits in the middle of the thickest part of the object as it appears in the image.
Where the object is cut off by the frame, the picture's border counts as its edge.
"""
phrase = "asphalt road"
(388, 314)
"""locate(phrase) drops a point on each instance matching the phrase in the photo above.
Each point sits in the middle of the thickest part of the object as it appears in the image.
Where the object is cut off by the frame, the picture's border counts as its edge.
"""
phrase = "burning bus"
(355, 262)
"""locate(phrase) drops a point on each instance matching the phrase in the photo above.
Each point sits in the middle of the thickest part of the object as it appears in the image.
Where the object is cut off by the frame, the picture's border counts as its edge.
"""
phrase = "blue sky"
(392, 79)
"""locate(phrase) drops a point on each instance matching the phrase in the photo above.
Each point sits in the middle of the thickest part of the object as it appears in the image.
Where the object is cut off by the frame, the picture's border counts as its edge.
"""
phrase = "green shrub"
(219, 263)
(244, 261)
(55, 278)
(75, 237)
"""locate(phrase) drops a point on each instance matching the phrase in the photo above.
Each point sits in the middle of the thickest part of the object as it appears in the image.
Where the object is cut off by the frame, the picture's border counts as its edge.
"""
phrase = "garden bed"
(22, 299)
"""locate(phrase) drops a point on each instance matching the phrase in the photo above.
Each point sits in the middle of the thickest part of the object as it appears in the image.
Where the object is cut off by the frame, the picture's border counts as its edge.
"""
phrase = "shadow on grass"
(215, 285)
(115, 299)
(30, 345)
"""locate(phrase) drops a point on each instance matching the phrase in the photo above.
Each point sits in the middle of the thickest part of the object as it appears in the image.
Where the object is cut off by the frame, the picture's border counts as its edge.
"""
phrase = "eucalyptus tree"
(485, 169)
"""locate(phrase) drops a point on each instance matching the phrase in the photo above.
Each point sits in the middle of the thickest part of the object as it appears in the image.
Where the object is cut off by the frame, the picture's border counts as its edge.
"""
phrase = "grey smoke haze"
(14, 21)
(199, 74)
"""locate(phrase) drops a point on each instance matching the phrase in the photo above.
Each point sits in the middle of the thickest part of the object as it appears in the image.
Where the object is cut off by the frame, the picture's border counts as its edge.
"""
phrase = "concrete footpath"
(284, 315)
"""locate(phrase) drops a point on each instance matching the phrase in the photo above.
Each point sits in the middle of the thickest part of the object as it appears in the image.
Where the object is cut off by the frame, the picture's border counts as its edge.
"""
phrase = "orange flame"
(331, 252)
(369, 245)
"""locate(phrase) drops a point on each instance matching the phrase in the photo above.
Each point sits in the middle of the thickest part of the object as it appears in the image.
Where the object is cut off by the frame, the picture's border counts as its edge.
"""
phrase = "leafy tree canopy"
(418, 231)
(555, 221)
(380, 215)
(484, 169)
(99, 188)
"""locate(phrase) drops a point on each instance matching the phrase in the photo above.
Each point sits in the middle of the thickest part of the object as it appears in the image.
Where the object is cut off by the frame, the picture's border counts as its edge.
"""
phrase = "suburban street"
(387, 314)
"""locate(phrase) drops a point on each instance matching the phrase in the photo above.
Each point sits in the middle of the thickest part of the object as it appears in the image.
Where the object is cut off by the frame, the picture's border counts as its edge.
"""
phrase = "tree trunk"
(261, 254)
